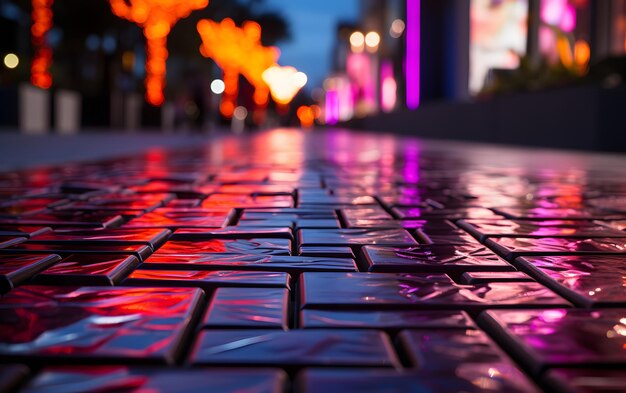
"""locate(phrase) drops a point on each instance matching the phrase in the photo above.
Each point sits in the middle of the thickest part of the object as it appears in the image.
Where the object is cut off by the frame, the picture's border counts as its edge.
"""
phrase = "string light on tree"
(156, 18)
(237, 51)
(42, 60)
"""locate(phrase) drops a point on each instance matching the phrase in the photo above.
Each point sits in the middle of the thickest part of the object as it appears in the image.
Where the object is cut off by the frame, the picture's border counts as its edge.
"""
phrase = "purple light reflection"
(412, 65)
(332, 107)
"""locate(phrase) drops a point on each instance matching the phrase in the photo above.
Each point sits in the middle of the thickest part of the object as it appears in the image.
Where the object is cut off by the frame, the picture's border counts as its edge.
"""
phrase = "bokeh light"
(11, 60)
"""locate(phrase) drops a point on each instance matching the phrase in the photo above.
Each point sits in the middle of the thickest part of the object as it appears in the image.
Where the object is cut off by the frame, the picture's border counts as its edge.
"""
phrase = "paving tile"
(87, 269)
(482, 229)
(350, 291)
(96, 324)
(27, 231)
(262, 262)
(355, 237)
(377, 380)
(173, 218)
(558, 214)
(589, 281)
(326, 251)
(511, 248)
(295, 348)
(66, 249)
(560, 337)
(232, 232)
(96, 379)
(585, 380)
(487, 277)
(233, 246)
(249, 308)
(365, 319)
(470, 354)
(205, 279)
(151, 237)
(434, 259)
(16, 269)
(450, 214)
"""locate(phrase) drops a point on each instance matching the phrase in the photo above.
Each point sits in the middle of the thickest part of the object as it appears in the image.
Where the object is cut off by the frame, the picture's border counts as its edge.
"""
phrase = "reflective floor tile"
(238, 246)
(326, 251)
(17, 269)
(181, 218)
(482, 229)
(100, 379)
(219, 261)
(560, 338)
(232, 232)
(585, 380)
(250, 308)
(411, 291)
(433, 259)
(295, 348)
(151, 237)
(65, 249)
(375, 381)
(511, 248)
(355, 237)
(487, 277)
(557, 214)
(205, 279)
(87, 269)
(469, 354)
(23, 230)
(585, 280)
(96, 324)
(330, 319)
(450, 214)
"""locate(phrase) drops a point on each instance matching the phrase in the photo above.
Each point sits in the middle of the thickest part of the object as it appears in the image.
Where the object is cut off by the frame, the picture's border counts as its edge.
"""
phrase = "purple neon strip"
(412, 66)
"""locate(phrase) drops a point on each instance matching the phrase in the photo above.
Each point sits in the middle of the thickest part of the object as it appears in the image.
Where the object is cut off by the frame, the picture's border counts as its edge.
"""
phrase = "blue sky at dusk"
(313, 25)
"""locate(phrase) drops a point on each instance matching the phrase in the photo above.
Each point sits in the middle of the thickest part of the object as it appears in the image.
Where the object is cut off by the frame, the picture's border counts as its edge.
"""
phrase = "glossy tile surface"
(220, 261)
(205, 279)
(249, 308)
(95, 324)
(435, 259)
(320, 319)
(315, 261)
(515, 247)
(398, 291)
(553, 338)
(88, 269)
(153, 380)
(587, 280)
(233, 246)
(356, 348)
(18, 268)
(357, 237)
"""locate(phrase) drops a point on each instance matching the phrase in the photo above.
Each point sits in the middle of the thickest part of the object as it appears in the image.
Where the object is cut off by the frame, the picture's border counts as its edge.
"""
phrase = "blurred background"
(532, 72)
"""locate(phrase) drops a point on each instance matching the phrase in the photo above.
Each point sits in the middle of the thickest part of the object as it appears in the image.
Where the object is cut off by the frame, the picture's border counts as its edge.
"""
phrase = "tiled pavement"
(315, 262)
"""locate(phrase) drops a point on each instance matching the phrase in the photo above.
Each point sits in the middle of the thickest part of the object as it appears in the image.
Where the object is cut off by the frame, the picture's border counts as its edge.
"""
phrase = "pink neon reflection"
(388, 86)
(332, 107)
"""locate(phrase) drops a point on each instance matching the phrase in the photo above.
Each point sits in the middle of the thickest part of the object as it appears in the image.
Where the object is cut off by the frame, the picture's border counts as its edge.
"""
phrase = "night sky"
(313, 25)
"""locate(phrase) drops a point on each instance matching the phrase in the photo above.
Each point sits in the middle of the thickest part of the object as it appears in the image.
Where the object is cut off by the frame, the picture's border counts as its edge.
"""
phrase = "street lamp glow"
(357, 40)
(218, 86)
(11, 60)
(372, 40)
(284, 83)
(397, 28)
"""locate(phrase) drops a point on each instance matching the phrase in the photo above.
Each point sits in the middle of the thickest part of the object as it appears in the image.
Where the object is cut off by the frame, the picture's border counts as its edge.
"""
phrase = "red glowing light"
(156, 18)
